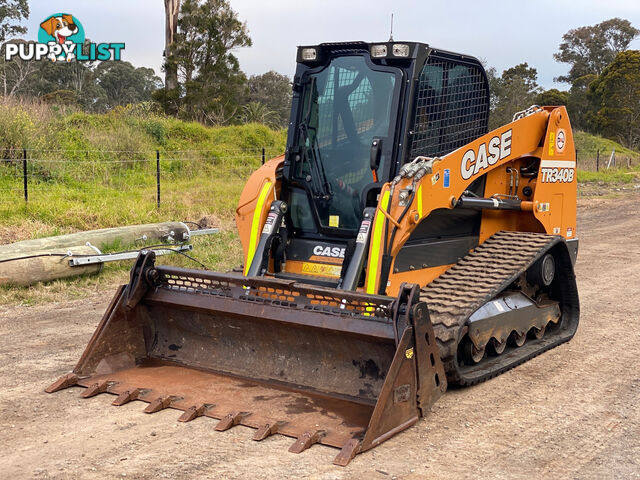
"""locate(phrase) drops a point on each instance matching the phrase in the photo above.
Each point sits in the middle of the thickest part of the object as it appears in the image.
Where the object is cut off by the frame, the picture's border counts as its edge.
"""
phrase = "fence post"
(598, 160)
(263, 157)
(158, 176)
(24, 175)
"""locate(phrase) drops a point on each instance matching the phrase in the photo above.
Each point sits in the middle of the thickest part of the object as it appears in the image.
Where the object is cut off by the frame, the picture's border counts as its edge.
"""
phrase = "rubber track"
(473, 281)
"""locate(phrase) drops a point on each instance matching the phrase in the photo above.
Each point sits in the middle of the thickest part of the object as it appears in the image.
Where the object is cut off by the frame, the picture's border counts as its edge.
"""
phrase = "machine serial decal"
(321, 269)
(473, 162)
(557, 171)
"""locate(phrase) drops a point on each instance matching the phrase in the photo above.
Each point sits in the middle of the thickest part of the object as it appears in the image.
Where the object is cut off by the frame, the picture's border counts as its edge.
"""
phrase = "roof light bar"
(378, 51)
(309, 54)
(400, 50)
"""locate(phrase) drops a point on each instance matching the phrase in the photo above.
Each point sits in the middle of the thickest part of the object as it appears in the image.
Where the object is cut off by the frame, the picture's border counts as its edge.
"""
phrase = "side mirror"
(376, 151)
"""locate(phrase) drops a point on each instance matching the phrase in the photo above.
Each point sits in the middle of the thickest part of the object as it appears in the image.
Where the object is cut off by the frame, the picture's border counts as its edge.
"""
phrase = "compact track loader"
(395, 248)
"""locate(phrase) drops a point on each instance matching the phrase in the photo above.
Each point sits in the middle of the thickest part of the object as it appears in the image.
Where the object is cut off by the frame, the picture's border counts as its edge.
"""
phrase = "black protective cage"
(443, 104)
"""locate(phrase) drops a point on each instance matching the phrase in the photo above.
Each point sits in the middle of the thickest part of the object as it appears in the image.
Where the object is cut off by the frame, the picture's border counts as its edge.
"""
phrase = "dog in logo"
(60, 28)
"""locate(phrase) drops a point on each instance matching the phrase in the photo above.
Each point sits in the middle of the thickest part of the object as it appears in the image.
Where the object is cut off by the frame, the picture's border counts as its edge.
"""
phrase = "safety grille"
(452, 106)
(276, 292)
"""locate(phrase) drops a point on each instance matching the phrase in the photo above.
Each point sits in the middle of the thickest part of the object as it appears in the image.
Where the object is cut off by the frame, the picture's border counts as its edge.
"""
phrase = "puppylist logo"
(61, 37)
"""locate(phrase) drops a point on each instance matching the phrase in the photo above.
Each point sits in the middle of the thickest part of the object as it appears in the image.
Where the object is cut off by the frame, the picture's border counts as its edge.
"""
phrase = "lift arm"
(429, 184)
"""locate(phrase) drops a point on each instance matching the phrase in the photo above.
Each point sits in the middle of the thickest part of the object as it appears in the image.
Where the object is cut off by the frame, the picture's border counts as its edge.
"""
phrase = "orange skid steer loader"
(396, 247)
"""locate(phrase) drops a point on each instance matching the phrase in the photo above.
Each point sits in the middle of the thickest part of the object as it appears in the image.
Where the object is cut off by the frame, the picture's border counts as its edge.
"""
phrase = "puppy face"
(62, 26)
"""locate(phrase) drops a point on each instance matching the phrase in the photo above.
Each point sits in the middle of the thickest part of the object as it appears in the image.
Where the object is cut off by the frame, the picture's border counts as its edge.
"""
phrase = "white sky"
(502, 32)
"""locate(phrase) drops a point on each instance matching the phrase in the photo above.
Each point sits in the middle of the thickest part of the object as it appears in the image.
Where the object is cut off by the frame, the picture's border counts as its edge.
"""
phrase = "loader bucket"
(319, 365)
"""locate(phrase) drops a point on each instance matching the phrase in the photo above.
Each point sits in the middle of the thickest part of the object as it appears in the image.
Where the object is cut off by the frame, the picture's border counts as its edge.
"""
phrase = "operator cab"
(360, 111)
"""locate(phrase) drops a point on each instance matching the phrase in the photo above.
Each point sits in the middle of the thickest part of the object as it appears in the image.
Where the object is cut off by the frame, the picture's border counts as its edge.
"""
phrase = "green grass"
(90, 171)
(627, 161)
(588, 145)
(607, 176)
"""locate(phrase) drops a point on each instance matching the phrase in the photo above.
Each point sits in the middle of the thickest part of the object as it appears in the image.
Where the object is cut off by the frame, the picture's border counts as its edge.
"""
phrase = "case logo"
(473, 162)
(334, 252)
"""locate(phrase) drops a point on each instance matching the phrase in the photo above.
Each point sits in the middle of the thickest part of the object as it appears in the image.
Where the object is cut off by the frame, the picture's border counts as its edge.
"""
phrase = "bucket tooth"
(128, 396)
(66, 381)
(349, 450)
(305, 440)
(267, 430)
(194, 412)
(160, 403)
(230, 420)
(95, 389)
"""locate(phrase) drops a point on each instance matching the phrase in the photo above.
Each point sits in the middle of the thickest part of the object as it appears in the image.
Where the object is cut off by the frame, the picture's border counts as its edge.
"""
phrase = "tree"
(616, 95)
(210, 76)
(272, 90)
(171, 10)
(92, 86)
(553, 97)
(256, 112)
(579, 106)
(493, 79)
(123, 83)
(12, 12)
(14, 73)
(588, 50)
(515, 90)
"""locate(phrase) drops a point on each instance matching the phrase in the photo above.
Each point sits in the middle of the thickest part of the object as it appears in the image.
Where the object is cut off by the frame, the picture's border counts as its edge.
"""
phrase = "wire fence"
(30, 174)
(595, 159)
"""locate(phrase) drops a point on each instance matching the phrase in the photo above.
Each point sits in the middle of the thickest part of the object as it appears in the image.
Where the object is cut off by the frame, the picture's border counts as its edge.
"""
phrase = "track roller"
(472, 353)
(497, 347)
(518, 339)
(538, 333)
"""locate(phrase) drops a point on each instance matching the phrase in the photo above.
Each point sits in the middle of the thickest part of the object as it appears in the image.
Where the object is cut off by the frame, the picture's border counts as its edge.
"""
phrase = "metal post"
(263, 156)
(24, 175)
(598, 160)
(158, 176)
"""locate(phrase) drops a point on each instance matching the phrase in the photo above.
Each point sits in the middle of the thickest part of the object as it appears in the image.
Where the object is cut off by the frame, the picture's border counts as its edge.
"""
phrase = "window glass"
(345, 106)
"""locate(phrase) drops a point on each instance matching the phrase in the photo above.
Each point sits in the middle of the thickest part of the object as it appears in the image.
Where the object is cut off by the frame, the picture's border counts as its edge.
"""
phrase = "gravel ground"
(572, 412)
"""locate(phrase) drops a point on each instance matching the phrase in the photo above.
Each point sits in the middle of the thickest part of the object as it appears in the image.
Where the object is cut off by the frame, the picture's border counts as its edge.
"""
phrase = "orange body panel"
(248, 220)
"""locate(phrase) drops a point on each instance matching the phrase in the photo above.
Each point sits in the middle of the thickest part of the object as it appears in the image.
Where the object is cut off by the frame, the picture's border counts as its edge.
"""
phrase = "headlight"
(400, 50)
(309, 54)
(378, 51)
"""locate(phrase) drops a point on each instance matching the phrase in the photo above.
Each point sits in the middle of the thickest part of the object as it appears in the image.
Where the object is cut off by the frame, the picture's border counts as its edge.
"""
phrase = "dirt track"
(573, 412)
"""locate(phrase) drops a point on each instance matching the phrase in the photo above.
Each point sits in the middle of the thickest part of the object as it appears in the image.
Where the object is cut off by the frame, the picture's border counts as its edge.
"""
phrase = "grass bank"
(88, 171)
(591, 147)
